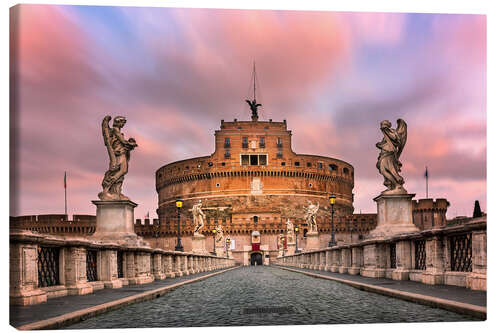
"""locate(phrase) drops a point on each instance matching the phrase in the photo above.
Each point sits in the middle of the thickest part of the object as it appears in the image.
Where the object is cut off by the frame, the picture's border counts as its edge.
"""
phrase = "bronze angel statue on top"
(388, 163)
(119, 155)
(253, 106)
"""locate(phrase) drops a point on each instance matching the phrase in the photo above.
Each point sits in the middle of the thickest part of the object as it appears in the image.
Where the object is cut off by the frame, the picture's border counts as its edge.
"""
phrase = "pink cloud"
(378, 28)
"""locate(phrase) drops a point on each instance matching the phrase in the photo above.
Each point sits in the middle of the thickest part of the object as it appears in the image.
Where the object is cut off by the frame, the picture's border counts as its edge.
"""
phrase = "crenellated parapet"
(55, 224)
(429, 213)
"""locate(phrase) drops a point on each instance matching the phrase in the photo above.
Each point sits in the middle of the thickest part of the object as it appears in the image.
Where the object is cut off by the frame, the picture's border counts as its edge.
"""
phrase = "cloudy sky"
(175, 73)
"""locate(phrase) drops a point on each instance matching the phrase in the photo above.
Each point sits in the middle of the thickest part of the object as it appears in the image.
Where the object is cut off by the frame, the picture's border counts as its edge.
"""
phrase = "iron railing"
(461, 253)
(420, 254)
(392, 254)
(48, 266)
(91, 265)
(119, 263)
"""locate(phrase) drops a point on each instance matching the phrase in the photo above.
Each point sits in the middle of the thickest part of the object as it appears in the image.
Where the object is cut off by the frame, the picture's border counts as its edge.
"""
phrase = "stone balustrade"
(47, 266)
(454, 255)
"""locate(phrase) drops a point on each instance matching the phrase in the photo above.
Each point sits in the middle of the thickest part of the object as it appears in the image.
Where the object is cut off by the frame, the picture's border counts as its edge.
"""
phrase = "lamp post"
(282, 239)
(214, 231)
(332, 241)
(178, 204)
(296, 239)
(228, 242)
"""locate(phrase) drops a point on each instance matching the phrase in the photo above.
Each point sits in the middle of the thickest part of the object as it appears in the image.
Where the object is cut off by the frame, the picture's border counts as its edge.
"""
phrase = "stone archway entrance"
(256, 258)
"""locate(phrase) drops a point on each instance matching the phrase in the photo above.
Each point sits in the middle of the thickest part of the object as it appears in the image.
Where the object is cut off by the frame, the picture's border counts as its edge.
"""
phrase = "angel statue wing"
(249, 103)
(402, 132)
(107, 141)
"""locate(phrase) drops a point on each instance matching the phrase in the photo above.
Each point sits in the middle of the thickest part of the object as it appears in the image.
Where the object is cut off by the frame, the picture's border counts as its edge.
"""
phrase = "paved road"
(266, 296)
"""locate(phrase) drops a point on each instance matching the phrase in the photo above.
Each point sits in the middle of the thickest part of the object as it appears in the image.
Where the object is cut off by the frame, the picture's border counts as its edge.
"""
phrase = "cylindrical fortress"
(254, 175)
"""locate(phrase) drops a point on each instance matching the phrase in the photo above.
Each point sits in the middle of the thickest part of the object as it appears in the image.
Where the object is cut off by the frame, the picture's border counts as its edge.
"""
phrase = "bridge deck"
(63, 311)
(54, 307)
(450, 293)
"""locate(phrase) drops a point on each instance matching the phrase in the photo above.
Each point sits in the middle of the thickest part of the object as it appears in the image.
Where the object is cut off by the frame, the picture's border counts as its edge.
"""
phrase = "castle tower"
(429, 214)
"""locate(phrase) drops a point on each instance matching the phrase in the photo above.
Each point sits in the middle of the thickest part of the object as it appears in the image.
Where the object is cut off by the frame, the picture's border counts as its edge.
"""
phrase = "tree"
(477, 210)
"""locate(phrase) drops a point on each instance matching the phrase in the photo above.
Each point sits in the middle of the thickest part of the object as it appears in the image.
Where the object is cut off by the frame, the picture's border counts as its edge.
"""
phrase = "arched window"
(255, 220)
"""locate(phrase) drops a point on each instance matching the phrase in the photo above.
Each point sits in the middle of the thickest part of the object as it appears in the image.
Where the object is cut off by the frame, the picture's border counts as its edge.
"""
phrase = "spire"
(253, 104)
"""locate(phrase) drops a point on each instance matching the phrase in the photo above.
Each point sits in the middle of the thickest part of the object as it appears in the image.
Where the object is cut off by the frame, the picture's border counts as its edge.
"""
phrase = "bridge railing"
(453, 255)
(46, 266)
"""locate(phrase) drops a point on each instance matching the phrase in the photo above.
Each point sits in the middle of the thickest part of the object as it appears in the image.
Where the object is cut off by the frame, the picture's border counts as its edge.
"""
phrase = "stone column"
(335, 261)
(191, 265)
(303, 260)
(346, 260)
(177, 265)
(477, 279)
(356, 260)
(322, 260)
(207, 264)
(75, 271)
(169, 265)
(328, 260)
(195, 264)
(24, 275)
(107, 269)
(311, 260)
(211, 263)
(142, 268)
(375, 260)
(129, 267)
(403, 260)
(434, 263)
(158, 272)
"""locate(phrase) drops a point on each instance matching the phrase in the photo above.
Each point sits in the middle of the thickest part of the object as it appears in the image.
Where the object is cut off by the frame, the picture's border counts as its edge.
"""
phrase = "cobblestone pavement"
(452, 293)
(21, 315)
(267, 296)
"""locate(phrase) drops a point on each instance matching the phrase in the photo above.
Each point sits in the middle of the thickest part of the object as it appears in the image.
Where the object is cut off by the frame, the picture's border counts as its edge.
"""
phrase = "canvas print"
(183, 167)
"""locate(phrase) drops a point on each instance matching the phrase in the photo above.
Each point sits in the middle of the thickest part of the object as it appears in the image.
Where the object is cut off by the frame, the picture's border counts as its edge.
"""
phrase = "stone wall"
(46, 266)
(453, 255)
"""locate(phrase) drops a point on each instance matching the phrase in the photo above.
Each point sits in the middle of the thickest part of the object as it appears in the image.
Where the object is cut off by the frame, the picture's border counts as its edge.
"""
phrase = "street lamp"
(214, 231)
(178, 204)
(296, 239)
(282, 239)
(332, 241)
(228, 242)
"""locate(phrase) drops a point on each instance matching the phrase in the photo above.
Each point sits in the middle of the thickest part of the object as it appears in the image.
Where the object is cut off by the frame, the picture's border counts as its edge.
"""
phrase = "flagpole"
(65, 197)
(426, 183)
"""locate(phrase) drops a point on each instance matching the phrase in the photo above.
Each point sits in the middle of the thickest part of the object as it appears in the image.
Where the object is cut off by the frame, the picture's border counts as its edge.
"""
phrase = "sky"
(175, 73)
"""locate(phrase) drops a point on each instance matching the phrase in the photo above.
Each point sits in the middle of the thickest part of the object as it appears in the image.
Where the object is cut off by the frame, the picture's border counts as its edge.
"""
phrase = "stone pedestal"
(199, 244)
(220, 251)
(312, 241)
(394, 215)
(290, 249)
(115, 223)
